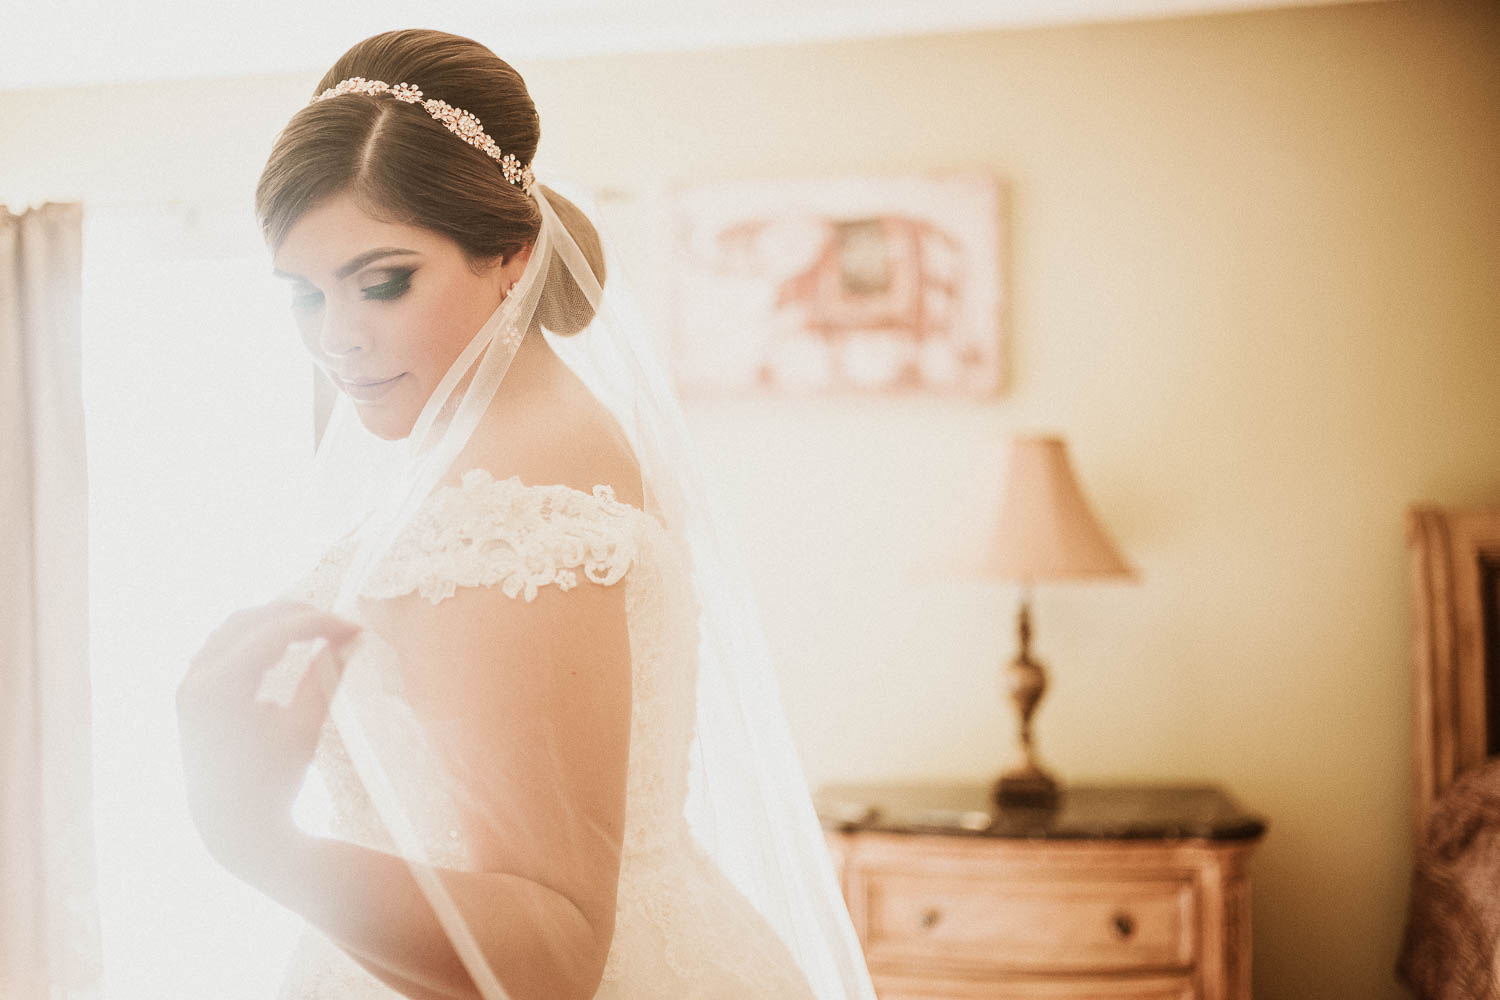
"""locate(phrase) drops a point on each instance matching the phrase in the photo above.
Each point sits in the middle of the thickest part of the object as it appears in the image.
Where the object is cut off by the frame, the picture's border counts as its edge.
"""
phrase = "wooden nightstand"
(1124, 892)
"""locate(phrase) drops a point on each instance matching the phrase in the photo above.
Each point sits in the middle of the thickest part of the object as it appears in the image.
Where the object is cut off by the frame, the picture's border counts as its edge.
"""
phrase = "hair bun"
(564, 308)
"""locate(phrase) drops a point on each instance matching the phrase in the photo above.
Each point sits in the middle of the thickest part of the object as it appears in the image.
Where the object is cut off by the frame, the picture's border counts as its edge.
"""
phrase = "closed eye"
(303, 301)
(394, 288)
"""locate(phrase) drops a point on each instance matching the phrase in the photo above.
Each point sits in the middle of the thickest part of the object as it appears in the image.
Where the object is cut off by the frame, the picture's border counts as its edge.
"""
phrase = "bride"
(526, 673)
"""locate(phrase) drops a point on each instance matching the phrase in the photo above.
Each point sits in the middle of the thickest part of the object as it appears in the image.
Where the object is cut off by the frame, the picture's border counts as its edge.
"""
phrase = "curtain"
(49, 927)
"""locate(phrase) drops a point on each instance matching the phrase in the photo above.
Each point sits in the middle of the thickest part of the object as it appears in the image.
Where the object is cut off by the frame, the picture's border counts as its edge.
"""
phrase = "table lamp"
(1046, 532)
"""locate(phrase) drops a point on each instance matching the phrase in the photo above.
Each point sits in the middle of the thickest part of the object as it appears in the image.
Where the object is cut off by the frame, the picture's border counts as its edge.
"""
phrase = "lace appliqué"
(504, 533)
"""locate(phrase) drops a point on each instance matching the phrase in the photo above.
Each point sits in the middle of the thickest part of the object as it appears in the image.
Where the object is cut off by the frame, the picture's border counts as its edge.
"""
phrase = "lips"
(368, 390)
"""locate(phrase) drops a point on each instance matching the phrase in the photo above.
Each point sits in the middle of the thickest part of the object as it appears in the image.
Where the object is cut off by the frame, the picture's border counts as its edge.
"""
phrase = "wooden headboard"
(1455, 573)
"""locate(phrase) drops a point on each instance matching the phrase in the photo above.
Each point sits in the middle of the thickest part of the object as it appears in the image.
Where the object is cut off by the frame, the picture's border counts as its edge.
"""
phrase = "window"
(198, 404)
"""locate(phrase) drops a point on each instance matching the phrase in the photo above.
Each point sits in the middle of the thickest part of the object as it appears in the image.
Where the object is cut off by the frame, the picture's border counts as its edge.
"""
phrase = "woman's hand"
(243, 760)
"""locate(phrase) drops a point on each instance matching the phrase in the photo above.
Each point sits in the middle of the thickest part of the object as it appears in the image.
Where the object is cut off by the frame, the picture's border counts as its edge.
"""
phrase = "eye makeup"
(393, 287)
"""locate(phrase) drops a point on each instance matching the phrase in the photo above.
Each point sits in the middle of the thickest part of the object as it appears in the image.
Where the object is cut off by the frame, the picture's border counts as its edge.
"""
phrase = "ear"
(517, 262)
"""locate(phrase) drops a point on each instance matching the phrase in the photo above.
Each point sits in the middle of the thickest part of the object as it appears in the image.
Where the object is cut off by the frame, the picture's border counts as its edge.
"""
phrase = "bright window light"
(198, 401)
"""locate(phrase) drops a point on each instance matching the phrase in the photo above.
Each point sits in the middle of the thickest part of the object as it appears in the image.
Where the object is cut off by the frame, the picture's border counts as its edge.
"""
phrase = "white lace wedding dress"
(682, 929)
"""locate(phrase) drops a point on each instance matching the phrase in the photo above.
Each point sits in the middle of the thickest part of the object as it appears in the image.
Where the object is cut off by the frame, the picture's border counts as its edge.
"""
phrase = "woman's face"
(384, 308)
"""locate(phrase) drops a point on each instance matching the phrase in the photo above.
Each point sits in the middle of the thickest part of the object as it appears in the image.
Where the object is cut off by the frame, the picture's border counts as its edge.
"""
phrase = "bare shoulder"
(568, 438)
(589, 449)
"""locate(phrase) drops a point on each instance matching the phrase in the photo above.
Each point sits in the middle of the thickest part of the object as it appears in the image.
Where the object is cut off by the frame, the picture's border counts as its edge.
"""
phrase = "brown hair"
(405, 167)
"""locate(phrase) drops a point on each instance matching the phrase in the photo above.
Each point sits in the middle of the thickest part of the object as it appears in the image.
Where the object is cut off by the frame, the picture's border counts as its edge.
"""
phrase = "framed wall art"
(861, 284)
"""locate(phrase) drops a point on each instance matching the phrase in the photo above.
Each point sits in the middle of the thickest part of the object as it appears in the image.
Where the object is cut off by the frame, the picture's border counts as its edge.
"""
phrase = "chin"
(385, 424)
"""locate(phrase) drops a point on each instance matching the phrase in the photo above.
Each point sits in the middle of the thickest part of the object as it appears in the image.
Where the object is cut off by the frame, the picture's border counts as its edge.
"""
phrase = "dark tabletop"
(1088, 812)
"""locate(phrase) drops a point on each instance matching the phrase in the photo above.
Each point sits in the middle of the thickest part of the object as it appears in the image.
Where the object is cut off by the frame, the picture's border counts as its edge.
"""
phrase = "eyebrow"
(353, 264)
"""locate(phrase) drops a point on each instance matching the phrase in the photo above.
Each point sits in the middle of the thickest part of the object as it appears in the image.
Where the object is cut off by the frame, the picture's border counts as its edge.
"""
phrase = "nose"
(340, 333)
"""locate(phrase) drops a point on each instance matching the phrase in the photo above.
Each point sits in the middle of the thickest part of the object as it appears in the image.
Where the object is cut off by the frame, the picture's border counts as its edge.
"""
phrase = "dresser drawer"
(1056, 924)
(898, 987)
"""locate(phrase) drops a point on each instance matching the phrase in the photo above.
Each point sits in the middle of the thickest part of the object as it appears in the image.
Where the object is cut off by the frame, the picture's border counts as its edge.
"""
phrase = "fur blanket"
(1449, 949)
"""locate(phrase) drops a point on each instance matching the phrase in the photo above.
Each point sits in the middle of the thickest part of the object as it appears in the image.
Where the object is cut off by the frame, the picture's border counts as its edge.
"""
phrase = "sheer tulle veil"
(748, 803)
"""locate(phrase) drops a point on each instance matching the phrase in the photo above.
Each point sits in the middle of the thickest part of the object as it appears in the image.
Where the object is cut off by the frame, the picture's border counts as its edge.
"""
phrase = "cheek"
(443, 328)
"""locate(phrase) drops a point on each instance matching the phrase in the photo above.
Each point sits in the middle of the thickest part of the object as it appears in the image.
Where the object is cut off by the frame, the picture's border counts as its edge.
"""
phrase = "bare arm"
(528, 703)
(369, 902)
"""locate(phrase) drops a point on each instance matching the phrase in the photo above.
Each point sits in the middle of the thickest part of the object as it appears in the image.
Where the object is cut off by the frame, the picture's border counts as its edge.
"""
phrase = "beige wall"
(1256, 283)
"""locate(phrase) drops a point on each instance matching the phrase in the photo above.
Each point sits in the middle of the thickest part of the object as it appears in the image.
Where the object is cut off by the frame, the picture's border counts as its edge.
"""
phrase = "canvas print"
(863, 284)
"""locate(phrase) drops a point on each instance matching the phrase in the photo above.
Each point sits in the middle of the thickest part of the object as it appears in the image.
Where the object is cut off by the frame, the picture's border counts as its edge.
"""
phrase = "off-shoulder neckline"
(601, 491)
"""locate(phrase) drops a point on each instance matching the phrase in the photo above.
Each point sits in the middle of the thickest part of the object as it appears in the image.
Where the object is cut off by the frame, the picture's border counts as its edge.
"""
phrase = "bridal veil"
(748, 803)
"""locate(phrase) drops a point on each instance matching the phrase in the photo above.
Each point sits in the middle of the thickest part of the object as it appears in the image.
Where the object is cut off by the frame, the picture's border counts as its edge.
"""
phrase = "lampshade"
(1046, 530)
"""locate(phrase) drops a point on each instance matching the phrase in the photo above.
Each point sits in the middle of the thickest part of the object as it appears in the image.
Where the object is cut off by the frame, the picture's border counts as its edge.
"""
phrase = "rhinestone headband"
(455, 120)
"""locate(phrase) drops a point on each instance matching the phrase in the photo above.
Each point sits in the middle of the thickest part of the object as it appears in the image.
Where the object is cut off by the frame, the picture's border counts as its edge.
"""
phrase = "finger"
(240, 623)
(218, 669)
(203, 664)
(315, 693)
(280, 682)
(241, 667)
(243, 619)
(219, 656)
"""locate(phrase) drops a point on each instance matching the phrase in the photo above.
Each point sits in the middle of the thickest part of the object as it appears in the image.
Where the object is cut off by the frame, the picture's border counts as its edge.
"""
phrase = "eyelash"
(385, 291)
(391, 289)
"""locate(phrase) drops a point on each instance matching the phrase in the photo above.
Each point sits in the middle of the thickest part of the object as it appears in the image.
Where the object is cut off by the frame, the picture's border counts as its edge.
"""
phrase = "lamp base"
(1027, 787)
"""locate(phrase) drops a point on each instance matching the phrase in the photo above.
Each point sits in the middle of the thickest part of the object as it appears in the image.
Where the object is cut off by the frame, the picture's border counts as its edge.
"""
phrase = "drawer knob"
(1124, 925)
(930, 918)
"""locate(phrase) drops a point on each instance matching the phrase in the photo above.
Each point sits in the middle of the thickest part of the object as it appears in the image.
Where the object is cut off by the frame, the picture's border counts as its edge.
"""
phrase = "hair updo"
(402, 166)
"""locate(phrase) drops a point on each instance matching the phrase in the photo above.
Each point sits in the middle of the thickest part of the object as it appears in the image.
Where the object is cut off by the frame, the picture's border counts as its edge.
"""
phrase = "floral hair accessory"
(461, 123)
